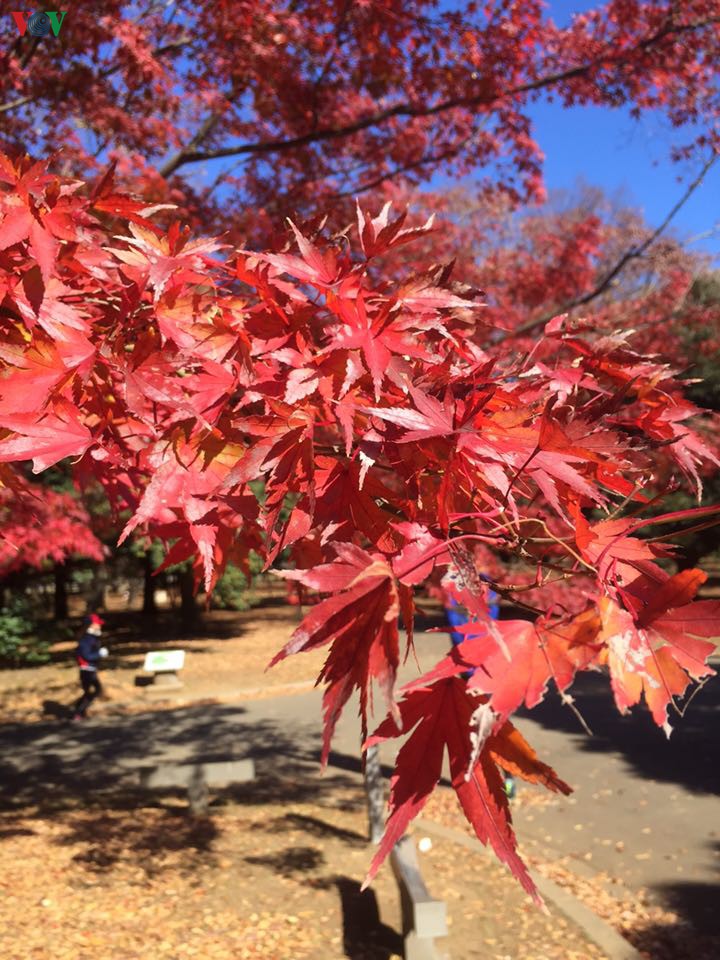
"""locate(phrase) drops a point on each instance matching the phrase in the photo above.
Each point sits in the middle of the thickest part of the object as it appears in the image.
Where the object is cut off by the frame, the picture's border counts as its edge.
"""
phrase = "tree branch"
(158, 51)
(20, 102)
(633, 254)
(203, 131)
(263, 147)
(406, 168)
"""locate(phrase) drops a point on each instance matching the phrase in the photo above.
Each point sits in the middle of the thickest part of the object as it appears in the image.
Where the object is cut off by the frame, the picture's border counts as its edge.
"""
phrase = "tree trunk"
(61, 597)
(188, 607)
(95, 598)
(149, 605)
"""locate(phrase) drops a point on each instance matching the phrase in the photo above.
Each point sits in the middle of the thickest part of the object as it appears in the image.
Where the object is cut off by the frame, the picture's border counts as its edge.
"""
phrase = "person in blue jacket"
(89, 652)
(458, 615)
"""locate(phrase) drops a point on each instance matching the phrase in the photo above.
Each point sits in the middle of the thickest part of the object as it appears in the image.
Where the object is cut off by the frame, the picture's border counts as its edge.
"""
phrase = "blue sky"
(629, 159)
(607, 148)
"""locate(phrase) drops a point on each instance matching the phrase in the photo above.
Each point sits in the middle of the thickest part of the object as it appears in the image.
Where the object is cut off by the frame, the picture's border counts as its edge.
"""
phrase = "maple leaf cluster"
(582, 254)
(362, 426)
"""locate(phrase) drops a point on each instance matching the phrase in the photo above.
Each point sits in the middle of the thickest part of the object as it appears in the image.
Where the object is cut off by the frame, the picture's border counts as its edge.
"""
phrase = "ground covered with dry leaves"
(273, 871)
(267, 875)
(657, 933)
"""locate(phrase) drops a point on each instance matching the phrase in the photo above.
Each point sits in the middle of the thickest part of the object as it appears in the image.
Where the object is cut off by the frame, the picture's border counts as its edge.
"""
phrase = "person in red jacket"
(89, 653)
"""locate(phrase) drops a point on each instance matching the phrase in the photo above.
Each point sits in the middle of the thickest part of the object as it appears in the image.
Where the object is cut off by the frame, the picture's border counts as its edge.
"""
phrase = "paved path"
(657, 800)
(645, 809)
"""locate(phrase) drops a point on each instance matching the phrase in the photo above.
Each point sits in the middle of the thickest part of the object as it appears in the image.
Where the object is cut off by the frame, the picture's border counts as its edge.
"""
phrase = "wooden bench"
(197, 777)
(423, 917)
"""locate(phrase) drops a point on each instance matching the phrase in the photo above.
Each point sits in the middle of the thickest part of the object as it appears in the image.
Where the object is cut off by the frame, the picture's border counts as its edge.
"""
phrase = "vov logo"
(39, 24)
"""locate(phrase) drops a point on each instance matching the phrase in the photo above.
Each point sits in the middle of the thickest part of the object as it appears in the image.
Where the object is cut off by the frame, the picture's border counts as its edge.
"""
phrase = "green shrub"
(19, 642)
(231, 591)
(255, 563)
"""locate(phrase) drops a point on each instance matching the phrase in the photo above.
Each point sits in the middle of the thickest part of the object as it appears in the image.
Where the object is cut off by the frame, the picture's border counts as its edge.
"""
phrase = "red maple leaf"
(379, 234)
(360, 623)
(619, 557)
(45, 439)
(160, 260)
(312, 266)
(512, 661)
(347, 503)
(442, 717)
(657, 650)
(283, 456)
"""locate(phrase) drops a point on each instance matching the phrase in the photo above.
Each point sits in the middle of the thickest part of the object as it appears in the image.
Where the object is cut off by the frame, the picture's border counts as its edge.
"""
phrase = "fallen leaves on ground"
(657, 933)
(253, 880)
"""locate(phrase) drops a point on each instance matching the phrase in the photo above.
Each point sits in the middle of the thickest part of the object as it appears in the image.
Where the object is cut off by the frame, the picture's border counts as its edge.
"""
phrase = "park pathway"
(645, 810)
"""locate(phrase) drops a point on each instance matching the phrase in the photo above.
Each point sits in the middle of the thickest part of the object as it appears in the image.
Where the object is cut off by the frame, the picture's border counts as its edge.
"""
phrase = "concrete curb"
(597, 930)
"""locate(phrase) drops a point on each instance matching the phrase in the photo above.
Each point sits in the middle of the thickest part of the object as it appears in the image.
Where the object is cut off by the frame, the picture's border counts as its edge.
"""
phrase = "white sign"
(162, 661)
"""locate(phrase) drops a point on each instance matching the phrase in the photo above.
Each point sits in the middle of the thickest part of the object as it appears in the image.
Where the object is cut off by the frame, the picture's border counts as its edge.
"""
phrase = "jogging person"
(89, 653)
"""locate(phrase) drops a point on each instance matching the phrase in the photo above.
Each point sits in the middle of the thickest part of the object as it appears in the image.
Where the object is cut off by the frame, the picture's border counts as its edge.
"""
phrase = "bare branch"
(202, 132)
(12, 104)
(632, 254)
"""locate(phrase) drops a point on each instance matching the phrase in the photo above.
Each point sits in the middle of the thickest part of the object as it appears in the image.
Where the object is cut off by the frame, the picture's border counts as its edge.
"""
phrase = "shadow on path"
(110, 836)
(697, 902)
(365, 936)
(689, 757)
(57, 765)
(696, 932)
(90, 775)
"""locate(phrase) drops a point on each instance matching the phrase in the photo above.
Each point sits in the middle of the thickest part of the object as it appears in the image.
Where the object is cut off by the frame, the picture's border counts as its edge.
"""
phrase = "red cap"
(95, 620)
